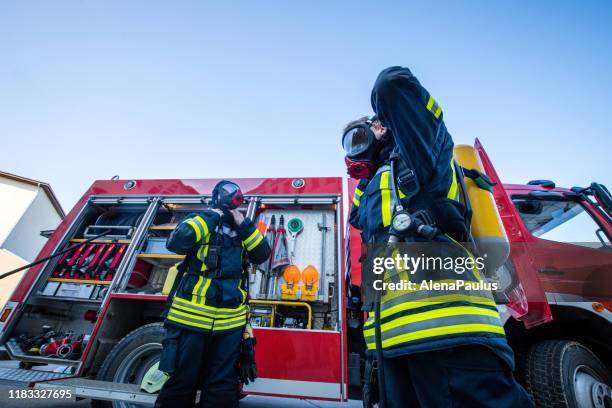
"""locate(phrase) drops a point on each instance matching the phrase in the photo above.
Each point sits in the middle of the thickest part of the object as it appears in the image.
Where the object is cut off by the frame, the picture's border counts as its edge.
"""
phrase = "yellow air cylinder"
(487, 228)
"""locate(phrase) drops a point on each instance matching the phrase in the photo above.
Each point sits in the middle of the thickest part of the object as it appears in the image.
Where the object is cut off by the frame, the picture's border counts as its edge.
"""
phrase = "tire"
(565, 374)
(130, 359)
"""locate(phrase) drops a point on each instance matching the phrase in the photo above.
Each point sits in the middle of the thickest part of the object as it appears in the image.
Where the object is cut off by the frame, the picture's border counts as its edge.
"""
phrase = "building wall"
(8, 262)
(25, 240)
(15, 198)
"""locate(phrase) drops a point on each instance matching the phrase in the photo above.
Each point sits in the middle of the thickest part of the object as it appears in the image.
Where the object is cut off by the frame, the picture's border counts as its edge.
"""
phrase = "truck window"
(560, 221)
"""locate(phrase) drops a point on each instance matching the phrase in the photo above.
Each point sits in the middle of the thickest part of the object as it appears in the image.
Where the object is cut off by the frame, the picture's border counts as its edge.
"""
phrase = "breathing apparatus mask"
(227, 196)
(362, 149)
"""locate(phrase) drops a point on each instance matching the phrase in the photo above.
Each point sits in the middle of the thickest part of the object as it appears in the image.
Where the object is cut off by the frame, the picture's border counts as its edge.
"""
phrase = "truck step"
(28, 376)
(101, 390)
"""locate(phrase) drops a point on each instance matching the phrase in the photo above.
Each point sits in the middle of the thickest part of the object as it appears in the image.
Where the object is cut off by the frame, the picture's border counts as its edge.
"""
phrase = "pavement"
(251, 401)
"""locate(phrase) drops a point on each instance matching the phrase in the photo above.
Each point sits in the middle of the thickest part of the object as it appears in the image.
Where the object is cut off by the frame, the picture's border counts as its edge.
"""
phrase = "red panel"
(312, 185)
(300, 355)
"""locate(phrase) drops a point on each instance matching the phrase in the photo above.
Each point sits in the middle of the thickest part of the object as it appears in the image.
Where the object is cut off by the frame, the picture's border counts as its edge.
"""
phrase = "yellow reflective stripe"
(196, 229)
(238, 309)
(202, 252)
(439, 331)
(434, 314)
(190, 323)
(436, 300)
(385, 194)
(232, 326)
(195, 289)
(358, 192)
(199, 318)
(252, 236)
(201, 221)
(210, 314)
(401, 194)
(203, 295)
(244, 294)
(438, 112)
(452, 190)
(254, 244)
(355, 202)
(430, 103)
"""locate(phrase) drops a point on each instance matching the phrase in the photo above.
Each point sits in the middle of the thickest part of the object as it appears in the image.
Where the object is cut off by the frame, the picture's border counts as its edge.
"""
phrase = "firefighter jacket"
(213, 298)
(423, 320)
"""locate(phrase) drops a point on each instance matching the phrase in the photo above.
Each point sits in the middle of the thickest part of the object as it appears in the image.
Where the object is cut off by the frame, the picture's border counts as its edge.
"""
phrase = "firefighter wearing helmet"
(433, 349)
(208, 344)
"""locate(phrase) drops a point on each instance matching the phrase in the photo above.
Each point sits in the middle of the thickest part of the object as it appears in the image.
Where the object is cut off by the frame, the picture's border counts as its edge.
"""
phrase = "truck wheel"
(561, 373)
(130, 359)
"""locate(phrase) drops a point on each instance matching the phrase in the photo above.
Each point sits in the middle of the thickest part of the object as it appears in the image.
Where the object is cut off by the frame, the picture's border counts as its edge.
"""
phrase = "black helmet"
(227, 195)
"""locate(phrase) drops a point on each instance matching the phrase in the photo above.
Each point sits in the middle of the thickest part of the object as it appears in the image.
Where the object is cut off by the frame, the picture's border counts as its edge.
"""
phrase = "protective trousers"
(205, 362)
(459, 377)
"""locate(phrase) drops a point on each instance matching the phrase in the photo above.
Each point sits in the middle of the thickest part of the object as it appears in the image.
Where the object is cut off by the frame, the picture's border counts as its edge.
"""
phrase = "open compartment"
(59, 313)
(297, 288)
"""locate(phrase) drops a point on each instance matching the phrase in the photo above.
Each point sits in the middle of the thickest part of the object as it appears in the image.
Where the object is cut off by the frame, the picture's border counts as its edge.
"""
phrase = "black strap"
(482, 180)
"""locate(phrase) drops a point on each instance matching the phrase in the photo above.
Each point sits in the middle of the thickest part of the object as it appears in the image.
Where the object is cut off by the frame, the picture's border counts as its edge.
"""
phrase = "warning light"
(598, 307)
(5, 314)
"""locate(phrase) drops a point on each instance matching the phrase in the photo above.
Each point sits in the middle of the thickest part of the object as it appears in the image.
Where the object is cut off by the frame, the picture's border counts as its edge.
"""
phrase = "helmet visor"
(357, 140)
(230, 196)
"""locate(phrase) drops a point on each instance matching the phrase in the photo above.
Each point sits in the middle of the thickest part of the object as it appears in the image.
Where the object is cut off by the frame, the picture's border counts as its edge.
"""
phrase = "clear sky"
(143, 89)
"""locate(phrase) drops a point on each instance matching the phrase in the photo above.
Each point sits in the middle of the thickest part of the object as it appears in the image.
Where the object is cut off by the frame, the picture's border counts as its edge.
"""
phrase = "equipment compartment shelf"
(161, 256)
(15, 352)
(97, 282)
(168, 227)
(102, 241)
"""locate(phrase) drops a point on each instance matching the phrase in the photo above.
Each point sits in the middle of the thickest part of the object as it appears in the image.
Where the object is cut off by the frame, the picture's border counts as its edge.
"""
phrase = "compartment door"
(527, 301)
(298, 363)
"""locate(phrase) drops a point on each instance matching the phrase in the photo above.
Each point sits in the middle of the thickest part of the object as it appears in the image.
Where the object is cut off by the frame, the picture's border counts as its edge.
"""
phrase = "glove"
(248, 369)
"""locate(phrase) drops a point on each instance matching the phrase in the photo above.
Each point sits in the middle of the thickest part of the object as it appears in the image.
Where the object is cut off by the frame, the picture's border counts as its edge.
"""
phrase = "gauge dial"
(401, 221)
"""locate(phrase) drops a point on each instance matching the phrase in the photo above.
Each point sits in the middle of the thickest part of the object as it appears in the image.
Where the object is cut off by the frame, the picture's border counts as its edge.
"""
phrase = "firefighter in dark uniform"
(207, 316)
(439, 349)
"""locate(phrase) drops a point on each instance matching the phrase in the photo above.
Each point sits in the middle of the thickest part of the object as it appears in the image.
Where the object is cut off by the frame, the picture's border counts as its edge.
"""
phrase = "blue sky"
(262, 89)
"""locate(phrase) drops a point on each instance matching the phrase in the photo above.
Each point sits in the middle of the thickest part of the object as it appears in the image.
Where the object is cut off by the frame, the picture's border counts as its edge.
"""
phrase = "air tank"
(487, 228)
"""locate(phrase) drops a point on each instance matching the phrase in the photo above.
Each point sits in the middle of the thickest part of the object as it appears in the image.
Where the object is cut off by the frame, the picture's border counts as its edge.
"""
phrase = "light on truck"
(598, 307)
(5, 314)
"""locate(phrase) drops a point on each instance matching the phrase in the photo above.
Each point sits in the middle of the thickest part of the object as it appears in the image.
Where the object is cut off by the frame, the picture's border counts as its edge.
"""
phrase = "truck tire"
(130, 359)
(562, 373)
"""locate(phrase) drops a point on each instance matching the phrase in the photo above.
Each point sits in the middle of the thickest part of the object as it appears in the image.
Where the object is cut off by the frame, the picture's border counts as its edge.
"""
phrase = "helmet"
(362, 149)
(227, 195)
(153, 379)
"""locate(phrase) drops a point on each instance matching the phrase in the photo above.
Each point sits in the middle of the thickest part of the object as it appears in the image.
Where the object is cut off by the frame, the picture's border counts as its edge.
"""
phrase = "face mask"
(362, 151)
(227, 196)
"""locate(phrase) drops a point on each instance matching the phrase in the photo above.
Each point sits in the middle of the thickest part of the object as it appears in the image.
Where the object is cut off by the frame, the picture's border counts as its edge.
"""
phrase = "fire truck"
(88, 319)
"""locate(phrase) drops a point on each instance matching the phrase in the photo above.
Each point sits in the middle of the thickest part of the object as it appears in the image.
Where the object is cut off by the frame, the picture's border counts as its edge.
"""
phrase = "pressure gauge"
(401, 222)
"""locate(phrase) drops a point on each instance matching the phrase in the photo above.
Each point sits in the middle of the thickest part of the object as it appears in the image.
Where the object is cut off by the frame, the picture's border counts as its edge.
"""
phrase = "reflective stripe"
(253, 240)
(355, 201)
(446, 316)
(188, 320)
(385, 194)
(202, 252)
(208, 311)
(430, 103)
(227, 324)
(196, 229)
(438, 331)
(199, 290)
(251, 237)
(413, 300)
(452, 191)
(358, 192)
(433, 107)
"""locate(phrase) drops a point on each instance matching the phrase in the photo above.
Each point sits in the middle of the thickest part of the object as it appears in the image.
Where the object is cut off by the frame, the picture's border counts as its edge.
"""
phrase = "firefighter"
(206, 321)
(436, 351)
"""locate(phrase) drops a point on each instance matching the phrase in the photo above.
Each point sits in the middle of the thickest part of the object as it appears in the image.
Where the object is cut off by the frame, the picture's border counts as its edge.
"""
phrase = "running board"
(21, 375)
(101, 390)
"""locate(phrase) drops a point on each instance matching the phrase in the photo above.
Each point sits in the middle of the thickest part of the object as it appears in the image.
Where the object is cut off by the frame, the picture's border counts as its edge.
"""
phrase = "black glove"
(248, 369)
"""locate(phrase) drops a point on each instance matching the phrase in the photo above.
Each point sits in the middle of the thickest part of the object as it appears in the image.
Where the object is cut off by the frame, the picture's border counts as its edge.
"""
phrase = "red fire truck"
(88, 320)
